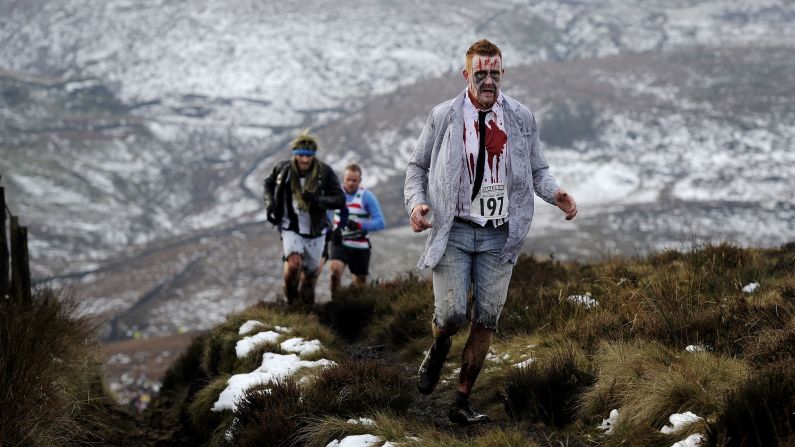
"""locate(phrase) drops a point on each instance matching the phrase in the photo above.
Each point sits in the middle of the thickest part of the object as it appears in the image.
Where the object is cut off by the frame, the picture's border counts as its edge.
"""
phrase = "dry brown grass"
(627, 353)
(547, 389)
(649, 382)
(49, 374)
(359, 386)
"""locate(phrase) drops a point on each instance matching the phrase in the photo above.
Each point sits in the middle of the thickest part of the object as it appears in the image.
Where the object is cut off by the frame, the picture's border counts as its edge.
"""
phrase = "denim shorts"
(471, 259)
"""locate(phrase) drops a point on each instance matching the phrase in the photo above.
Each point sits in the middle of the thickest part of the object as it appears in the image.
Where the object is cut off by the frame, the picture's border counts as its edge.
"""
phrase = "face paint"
(483, 79)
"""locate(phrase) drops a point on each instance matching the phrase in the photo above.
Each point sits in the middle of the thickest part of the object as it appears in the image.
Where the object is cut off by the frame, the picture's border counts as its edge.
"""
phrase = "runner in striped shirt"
(353, 247)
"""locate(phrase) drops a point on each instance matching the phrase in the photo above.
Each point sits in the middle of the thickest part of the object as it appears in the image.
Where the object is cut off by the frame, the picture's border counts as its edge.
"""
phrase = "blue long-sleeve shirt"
(371, 205)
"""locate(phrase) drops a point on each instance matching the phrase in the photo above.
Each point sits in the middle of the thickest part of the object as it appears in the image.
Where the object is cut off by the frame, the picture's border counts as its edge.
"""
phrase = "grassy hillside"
(650, 338)
(612, 353)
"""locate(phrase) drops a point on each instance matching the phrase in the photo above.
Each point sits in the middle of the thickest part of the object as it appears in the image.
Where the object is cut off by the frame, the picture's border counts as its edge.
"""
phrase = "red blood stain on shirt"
(496, 139)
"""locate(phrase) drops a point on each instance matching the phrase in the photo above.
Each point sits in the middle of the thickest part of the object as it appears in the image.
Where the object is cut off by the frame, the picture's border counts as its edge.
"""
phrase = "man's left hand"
(354, 226)
(566, 203)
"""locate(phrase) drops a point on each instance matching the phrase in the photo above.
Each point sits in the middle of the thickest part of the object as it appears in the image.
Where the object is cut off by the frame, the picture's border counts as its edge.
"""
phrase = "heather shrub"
(268, 415)
(356, 386)
(547, 389)
(761, 412)
(350, 311)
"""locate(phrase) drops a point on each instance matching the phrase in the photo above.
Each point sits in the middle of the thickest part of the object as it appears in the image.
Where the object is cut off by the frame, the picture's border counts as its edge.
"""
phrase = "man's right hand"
(417, 220)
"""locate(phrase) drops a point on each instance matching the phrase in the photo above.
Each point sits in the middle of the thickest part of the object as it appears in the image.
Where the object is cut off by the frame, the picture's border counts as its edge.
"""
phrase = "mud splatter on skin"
(475, 350)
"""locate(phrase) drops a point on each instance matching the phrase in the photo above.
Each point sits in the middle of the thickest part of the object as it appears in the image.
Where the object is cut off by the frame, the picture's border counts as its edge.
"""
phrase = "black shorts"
(358, 259)
(324, 256)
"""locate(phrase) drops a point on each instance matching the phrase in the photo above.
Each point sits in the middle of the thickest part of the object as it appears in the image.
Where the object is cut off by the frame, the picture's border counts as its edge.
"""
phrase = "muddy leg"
(292, 274)
(306, 289)
(475, 351)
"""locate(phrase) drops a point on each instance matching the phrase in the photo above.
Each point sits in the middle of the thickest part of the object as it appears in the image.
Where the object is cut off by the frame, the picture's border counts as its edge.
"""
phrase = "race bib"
(490, 203)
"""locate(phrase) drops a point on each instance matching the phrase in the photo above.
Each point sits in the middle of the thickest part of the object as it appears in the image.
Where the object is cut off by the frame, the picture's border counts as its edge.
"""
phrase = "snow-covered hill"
(135, 134)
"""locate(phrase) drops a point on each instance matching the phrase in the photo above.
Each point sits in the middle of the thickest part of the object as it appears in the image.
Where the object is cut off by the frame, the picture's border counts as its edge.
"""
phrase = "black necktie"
(481, 153)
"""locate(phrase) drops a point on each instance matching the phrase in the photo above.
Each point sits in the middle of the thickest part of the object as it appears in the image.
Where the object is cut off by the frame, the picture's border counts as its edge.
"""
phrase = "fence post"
(20, 269)
(26, 293)
(5, 285)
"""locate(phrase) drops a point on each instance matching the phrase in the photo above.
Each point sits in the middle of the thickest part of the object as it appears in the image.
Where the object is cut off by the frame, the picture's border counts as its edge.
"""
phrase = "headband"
(304, 151)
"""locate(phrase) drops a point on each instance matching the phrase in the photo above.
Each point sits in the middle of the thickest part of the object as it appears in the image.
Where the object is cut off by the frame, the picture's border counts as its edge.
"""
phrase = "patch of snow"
(679, 421)
(586, 300)
(493, 358)
(751, 288)
(244, 346)
(249, 326)
(525, 363)
(273, 367)
(300, 346)
(694, 440)
(362, 421)
(356, 441)
(609, 424)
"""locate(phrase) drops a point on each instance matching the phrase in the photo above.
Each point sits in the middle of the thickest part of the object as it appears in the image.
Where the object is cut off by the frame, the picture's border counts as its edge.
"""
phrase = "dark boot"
(431, 367)
(291, 293)
(306, 290)
(462, 413)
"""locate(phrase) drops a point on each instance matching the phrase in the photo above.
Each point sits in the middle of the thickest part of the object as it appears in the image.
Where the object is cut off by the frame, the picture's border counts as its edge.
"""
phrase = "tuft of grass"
(268, 415)
(530, 272)
(350, 311)
(648, 383)
(784, 259)
(219, 355)
(723, 269)
(403, 308)
(404, 311)
(761, 412)
(485, 437)
(319, 431)
(359, 386)
(186, 369)
(203, 420)
(787, 290)
(596, 327)
(535, 295)
(617, 368)
(547, 389)
(49, 374)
